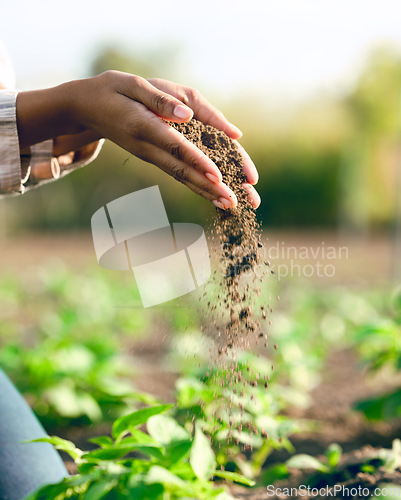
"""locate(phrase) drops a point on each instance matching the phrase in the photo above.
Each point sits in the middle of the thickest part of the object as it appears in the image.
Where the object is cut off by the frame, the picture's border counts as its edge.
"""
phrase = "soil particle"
(232, 319)
(239, 248)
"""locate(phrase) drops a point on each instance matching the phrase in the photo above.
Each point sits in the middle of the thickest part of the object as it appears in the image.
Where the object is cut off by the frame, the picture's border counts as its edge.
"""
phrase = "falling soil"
(232, 317)
(235, 318)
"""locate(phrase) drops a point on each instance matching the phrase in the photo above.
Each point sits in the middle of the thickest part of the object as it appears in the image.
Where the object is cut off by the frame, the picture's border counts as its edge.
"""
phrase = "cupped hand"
(127, 109)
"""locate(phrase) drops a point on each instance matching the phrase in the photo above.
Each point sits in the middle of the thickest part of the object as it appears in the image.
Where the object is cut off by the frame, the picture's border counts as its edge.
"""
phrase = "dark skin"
(128, 110)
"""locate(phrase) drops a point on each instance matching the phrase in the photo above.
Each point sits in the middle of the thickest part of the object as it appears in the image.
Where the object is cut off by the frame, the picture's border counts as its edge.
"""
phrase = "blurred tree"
(375, 102)
(329, 159)
(161, 61)
(375, 108)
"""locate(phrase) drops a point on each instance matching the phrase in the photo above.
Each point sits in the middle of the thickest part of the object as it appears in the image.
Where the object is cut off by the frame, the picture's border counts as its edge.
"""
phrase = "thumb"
(162, 104)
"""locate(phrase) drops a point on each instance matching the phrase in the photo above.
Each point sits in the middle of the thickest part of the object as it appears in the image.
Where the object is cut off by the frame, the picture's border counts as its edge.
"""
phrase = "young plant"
(334, 468)
(68, 382)
(379, 344)
(64, 361)
(167, 463)
(238, 411)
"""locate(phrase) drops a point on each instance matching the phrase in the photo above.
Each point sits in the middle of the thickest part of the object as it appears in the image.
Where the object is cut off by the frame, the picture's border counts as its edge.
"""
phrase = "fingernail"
(248, 188)
(248, 164)
(226, 203)
(218, 204)
(236, 130)
(213, 178)
(182, 112)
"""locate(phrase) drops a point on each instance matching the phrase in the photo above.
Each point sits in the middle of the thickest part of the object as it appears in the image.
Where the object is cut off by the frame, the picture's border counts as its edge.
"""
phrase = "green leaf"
(383, 407)
(202, 458)
(107, 453)
(223, 495)
(151, 452)
(182, 469)
(99, 489)
(370, 469)
(88, 467)
(233, 476)
(243, 437)
(274, 473)
(124, 424)
(73, 403)
(304, 461)
(166, 430)
(163, 476)
(77, 484)
(177, 451)
(102, 441)
(138, 436)
(146, 492)
(396, 448)
(391, 458)
(334, 453)
(61, 444)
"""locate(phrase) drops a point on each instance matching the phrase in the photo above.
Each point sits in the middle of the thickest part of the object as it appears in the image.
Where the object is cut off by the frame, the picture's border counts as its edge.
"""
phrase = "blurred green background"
(327, 158)
(316, 88)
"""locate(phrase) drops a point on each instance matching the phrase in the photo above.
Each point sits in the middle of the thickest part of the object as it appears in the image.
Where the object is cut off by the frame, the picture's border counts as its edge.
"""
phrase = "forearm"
(46, 114)
(132, 112)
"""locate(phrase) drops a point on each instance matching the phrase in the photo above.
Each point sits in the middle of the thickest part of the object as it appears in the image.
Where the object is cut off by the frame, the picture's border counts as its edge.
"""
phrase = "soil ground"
(344, 383)
(369, 259)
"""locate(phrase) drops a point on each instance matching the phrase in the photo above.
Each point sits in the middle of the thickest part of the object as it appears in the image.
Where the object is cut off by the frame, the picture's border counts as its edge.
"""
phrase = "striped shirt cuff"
(44, 166)
(10, 163)
(19, 173)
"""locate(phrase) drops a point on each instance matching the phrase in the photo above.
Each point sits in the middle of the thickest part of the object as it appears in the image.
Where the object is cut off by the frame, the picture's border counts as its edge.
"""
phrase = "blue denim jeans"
(23, 466)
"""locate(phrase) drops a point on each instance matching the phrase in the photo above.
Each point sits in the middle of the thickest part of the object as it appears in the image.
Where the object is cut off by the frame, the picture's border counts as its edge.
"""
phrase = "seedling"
(166, 463)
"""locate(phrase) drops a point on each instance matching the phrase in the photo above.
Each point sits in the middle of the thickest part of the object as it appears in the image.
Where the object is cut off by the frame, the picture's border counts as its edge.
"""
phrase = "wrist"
(47, 113)
(75, 94)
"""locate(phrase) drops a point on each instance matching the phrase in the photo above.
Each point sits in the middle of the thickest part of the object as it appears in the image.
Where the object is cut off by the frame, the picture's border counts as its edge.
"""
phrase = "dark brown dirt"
(344, 383)
(229, 303)
(236, 234)
(353, 484)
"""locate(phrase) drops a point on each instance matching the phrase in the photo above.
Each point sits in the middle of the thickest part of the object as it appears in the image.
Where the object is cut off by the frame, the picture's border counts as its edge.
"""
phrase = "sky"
(287, 48)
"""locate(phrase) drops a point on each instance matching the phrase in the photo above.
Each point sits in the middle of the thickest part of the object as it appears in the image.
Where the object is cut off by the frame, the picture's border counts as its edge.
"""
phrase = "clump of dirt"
(235, 317)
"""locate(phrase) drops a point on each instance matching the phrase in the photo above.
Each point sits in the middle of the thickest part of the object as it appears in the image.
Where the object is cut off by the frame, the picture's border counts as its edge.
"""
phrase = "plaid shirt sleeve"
(21, 172)
(10, 162)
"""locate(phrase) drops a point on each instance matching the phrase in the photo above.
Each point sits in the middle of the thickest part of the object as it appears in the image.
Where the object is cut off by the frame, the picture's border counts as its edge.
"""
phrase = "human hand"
(65, 144)
(127, 110)
(209, 115)
(130, 111)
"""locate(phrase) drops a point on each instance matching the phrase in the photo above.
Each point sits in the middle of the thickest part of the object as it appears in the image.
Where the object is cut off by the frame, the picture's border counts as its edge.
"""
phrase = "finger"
(209, 115)
(253, 195)
(186, 174)
(203, 110)
(162, 135)
(248, 166)
(161, 103)
(204, 194)
(66, 143)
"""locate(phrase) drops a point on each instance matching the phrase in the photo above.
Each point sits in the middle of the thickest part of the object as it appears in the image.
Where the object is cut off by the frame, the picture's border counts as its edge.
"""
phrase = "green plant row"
(167, 463)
